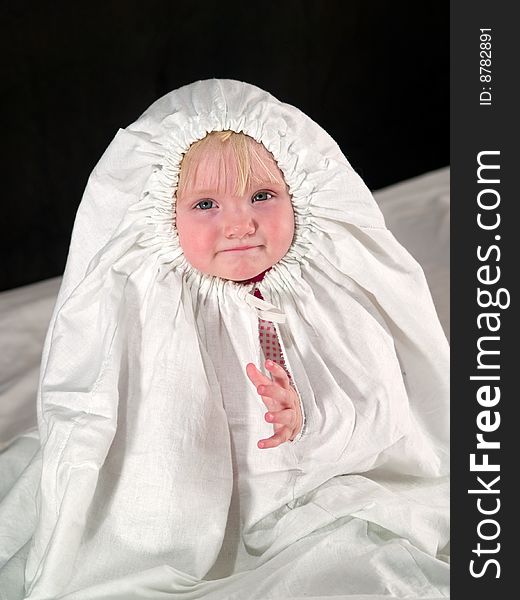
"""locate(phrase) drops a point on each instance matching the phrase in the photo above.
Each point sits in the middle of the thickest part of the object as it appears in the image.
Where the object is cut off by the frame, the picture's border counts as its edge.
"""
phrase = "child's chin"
(239, 279)
(232, 274)
(242, 275)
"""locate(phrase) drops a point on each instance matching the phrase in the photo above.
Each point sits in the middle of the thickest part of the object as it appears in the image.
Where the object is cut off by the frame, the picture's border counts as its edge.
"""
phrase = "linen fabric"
(147, 480)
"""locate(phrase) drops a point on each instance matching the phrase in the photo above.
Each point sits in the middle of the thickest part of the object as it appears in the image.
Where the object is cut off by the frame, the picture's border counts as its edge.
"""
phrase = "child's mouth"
(240, 248)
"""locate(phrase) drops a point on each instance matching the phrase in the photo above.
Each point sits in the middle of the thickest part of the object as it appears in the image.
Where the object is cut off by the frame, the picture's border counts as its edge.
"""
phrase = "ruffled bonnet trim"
(313, 178)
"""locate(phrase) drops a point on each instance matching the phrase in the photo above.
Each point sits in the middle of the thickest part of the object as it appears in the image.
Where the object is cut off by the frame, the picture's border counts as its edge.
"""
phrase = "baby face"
(234, 235)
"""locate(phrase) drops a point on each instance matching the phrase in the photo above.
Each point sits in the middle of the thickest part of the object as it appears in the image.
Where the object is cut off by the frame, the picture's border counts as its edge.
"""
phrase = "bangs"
(227, 162)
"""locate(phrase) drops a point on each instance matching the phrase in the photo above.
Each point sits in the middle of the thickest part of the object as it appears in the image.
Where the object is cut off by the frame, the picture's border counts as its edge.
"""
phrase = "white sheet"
(417, 212)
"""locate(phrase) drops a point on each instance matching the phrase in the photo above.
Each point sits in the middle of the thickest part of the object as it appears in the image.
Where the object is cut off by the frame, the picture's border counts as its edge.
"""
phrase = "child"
(249, 231)
(161, 472)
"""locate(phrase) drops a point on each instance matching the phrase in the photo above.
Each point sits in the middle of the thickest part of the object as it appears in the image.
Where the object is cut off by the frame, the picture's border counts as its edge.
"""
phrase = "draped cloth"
(145, 479)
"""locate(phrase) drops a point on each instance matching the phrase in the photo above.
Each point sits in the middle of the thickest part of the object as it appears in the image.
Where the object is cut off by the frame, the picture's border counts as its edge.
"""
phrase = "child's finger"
(282, 417)
(256, 376)
(278, 373)
(280, 437)
(273, 391)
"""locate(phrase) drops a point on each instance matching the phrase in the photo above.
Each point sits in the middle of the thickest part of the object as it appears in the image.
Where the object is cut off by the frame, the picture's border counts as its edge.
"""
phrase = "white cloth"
(417, 212)
(147, 421)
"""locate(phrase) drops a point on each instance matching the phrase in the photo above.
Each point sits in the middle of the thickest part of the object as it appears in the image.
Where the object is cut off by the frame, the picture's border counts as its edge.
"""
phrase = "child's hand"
(282, 401)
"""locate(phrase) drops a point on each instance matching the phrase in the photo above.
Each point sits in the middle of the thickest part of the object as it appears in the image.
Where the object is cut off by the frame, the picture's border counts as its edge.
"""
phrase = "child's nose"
(239, 226)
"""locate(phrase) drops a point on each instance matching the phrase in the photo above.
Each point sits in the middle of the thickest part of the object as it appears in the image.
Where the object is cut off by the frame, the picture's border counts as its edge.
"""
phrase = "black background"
(375, 75)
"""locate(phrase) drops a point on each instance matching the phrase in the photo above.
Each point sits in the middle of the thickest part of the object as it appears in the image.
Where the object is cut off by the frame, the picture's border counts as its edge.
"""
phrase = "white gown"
(145, 480)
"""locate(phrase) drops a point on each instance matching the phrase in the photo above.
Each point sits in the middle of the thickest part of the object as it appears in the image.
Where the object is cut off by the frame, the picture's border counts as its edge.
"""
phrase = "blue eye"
(204, 202)
(264, 196)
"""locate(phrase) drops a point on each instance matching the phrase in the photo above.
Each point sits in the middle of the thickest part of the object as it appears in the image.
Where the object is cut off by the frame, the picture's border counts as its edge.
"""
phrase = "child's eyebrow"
(201, 192)
(204, 192)
(195, 195)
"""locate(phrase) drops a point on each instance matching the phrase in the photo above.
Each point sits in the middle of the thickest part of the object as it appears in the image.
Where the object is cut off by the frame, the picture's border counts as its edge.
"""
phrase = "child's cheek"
(204, 238)
(279, 223)
(194, 236)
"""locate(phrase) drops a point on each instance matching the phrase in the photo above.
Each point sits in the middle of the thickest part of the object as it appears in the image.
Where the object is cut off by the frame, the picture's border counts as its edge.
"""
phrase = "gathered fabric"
(147, 480)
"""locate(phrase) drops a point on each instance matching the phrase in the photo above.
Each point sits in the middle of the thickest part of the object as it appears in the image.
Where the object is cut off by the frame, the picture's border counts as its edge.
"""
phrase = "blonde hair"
(214, 147)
